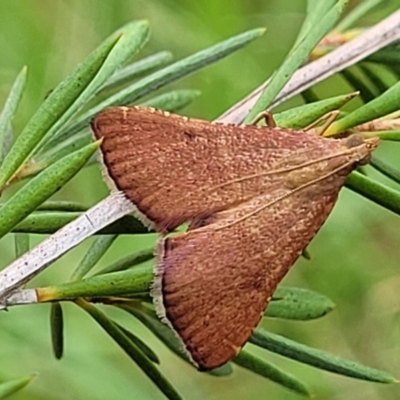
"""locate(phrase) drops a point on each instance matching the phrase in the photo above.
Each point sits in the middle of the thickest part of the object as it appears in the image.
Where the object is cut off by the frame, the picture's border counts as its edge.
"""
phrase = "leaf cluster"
(56, 144)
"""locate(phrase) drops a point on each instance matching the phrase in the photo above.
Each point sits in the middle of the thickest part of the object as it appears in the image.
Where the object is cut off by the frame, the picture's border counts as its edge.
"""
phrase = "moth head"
(344, 156)
(361, 148)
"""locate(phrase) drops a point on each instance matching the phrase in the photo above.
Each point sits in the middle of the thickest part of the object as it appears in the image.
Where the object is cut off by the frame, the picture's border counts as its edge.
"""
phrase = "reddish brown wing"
(213, 284)
(176, 169)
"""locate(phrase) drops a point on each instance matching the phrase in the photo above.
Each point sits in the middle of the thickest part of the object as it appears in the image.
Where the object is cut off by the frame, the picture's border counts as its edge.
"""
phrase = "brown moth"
(254, 197)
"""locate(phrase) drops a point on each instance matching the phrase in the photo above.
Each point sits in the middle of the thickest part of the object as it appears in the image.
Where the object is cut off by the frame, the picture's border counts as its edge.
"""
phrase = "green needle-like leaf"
(132, 37)
(131, 281)
(98, 248)
(172, 101)
(140, 344)
(166, 75)
(14, 385)
(43, 160)
(375, 75)
(267, 370)
(385, 104)
(392, 135)
(132, 350)
(9, 110)
(377, 192)
(354, 77)
(57, 329)
(316, 10)
(362, 8)
(298, 304)
(128, 261)
(54, 149)
(149, 319)
(300, 117)
(389, 56)
(50, 222)
(53, 108)
(296, 57)
(21, 242)
(40, 188)
(317, 358)
(61, 205)
(136, 69)
(385, 169)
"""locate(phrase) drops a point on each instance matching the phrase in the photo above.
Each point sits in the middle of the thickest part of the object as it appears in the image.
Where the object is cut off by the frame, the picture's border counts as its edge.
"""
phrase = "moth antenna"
(328, 118)
(282, 197)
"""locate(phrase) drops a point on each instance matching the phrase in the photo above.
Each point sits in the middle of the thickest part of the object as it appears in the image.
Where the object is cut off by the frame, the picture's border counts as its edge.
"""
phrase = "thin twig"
(370, 41)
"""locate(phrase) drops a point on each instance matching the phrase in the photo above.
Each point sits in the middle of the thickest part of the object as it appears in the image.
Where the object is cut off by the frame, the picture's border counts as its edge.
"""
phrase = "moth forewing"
(255, 197)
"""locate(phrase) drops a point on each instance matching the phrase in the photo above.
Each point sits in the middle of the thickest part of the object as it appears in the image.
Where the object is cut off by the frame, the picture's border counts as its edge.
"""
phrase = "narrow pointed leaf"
(358, 82)
(379, 193)
(309, 96)
(50, 222)
(385, 169)
(20, 271)
(375, 76)
(166, 75)
(131, 39)
(57, 330)
(21, 241)
(43, 160)
(62, 205)
(132, 350)
(300, 117)
(316, 10)
(44, 222)
(149, 319)
(130, 281)
(296, 57)
(136, 69)
(98, 248)
(14, 385)
(317, 358)
(362, 8)
(53, 108)
(379, 36)
(379, 107)
(389, 55)
(298, 304)
(9, 110)
(128, 261)
(172, 101)
(40, 188)
(147, 351)
(392, 135)
(271, 372)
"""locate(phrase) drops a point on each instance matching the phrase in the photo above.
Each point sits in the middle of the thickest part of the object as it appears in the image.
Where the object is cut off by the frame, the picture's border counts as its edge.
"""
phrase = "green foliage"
(14, 385)
(56, 143)
(308, 39)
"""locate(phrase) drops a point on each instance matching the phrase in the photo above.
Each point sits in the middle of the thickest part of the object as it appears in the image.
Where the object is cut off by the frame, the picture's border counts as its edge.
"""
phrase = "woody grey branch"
(384, 33)
(30, 264)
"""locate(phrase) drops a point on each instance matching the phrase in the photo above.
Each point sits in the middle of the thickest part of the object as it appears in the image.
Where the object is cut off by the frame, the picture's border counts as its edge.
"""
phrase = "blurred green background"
(355, 257)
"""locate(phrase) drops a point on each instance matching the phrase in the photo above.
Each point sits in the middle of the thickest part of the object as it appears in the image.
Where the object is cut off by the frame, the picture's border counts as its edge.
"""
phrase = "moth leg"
(267, 117)
(328, 119)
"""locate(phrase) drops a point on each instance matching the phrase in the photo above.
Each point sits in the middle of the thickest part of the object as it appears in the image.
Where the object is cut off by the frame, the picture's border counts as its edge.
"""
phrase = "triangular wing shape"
(255, 197)
(175, 169)
(214, 282)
